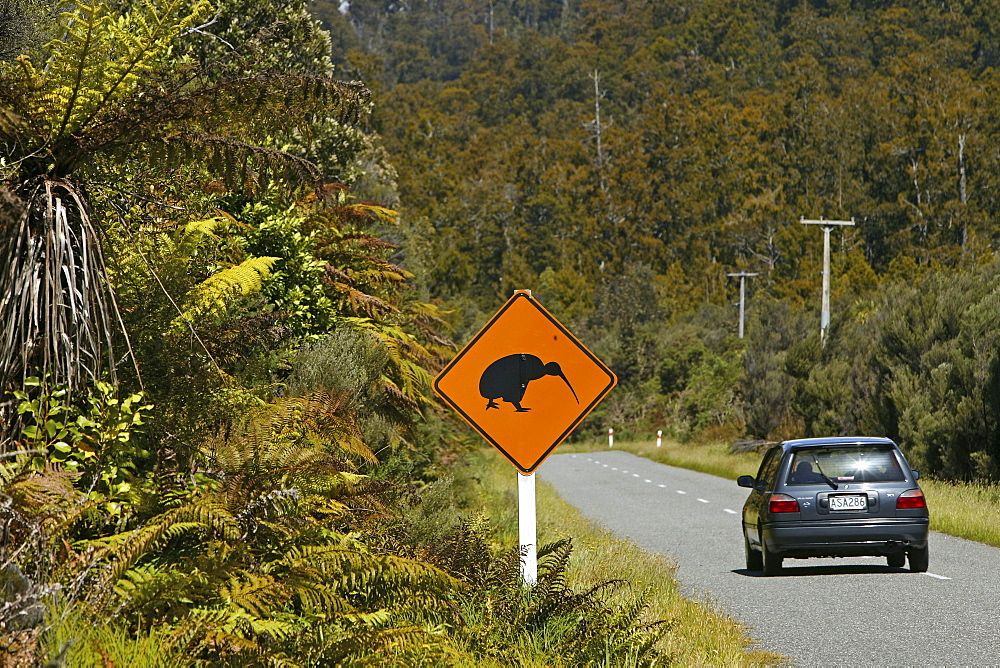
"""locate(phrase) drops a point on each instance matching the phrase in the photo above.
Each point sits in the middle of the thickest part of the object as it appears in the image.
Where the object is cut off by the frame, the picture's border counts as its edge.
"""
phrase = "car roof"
(835, 440)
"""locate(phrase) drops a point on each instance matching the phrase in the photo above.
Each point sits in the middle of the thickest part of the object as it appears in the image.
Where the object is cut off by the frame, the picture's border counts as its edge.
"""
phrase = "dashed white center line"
(726, 510)
(936, 576)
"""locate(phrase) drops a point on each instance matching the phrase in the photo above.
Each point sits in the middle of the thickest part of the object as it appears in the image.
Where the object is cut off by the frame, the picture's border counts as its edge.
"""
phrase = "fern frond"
(103, 58)
(243, 166)
(212, 295)
(325, 415)
(257, 595)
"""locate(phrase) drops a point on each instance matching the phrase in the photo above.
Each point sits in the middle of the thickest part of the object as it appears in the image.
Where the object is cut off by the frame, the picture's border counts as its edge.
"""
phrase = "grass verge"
(964, 510)
(699, 633)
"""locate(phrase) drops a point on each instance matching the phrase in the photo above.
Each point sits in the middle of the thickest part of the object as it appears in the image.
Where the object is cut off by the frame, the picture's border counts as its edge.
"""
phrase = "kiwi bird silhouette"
(508, 379)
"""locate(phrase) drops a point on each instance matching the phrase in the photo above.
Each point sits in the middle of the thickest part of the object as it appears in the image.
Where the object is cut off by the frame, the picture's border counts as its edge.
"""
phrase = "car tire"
(896, 560)
(918, 559)
(771, 562)
(755, 560)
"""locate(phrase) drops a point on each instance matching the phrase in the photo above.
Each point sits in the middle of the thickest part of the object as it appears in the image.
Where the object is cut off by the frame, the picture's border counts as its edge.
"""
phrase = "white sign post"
(611, 437)
(526, 520)
(659, 437)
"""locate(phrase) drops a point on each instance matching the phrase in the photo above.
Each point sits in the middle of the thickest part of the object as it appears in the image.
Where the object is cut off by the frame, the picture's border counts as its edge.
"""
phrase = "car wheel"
(918, 560)
(755, 560)
(771, 561)
(896, 560)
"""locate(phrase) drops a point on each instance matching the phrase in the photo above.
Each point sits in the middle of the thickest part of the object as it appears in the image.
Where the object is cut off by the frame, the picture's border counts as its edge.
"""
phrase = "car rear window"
(854, 463)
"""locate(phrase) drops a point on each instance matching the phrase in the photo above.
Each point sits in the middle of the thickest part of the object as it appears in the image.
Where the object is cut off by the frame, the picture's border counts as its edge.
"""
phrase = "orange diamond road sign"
(524, 382)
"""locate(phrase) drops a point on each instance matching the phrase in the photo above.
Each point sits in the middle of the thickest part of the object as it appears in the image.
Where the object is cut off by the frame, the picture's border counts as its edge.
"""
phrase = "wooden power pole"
(828, 225)
(743, 276)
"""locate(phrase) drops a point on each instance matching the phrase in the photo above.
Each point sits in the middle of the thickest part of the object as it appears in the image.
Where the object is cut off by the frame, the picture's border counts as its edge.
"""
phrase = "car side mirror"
(916, 474)
(745, 481)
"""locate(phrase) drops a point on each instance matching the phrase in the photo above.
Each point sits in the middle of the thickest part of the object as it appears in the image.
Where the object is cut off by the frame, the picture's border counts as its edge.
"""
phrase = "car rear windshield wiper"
(823, 475)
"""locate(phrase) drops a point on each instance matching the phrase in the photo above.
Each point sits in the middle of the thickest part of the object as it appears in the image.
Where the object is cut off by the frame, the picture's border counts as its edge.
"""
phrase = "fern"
(213, 295)
(110, 89)
(105, 57)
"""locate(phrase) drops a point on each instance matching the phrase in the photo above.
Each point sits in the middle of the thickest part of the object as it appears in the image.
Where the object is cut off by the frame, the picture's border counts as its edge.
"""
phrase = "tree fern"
(109, 89)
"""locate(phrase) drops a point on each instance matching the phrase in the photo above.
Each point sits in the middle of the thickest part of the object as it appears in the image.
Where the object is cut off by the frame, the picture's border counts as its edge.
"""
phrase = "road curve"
(850, 612)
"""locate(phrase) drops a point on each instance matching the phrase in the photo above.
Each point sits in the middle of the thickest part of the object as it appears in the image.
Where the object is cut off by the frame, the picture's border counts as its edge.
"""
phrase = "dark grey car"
(834, 497)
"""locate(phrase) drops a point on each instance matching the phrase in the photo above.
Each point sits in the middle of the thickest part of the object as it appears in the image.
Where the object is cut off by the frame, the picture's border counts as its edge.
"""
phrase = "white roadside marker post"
(659, 437)
(526, 520)
(611, 437)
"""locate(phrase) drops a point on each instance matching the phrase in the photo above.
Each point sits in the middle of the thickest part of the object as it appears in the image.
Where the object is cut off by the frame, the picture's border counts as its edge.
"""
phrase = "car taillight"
(913, 498)
(782, 503)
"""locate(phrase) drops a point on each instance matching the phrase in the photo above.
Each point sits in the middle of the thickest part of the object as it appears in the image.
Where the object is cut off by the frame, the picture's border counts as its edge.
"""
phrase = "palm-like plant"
(112, 104)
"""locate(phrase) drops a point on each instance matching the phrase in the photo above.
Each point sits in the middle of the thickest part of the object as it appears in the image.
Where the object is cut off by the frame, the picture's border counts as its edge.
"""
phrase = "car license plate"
(849, 502)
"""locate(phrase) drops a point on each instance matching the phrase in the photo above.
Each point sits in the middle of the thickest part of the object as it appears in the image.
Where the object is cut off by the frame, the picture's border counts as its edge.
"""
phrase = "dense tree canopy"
(578, 148)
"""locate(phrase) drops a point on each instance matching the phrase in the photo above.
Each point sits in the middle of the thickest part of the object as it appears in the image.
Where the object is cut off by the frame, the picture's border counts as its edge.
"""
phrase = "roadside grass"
(700, 633)
(713, 458)
(964, 510)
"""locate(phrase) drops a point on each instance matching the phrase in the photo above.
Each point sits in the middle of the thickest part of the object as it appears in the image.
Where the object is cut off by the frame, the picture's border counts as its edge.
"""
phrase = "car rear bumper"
(846, 538)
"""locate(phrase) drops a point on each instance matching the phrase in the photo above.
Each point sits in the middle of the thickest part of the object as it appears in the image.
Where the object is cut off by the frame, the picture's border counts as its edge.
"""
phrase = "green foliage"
(778, 338)
(251, 564)
(96, 441)
(550, 622)
(213, 295)
(77, 641)
(111, 104)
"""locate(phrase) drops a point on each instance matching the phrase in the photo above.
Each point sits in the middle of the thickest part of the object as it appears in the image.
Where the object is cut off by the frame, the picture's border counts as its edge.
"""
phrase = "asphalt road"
(850, 612)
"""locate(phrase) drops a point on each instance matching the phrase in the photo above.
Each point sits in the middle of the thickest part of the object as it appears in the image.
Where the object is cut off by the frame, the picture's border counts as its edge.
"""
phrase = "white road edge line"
(727, 510)
(936, 576)
(664, 486)
(703, 500)
(681, 491)
(649, 481)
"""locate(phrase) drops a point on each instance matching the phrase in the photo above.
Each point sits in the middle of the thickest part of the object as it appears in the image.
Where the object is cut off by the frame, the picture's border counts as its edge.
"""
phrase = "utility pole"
(824, 316)
(743, 276)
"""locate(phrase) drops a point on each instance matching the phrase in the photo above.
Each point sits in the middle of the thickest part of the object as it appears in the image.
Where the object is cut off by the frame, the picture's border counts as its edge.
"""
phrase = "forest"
(239, 238)
(621, 158)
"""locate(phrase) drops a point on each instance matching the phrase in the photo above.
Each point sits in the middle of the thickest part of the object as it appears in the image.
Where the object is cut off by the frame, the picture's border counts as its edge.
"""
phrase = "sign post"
(524, 383)
(526, 531)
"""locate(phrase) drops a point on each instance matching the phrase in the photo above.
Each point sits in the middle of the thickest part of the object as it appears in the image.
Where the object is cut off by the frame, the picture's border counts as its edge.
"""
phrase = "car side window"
(768, 469)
